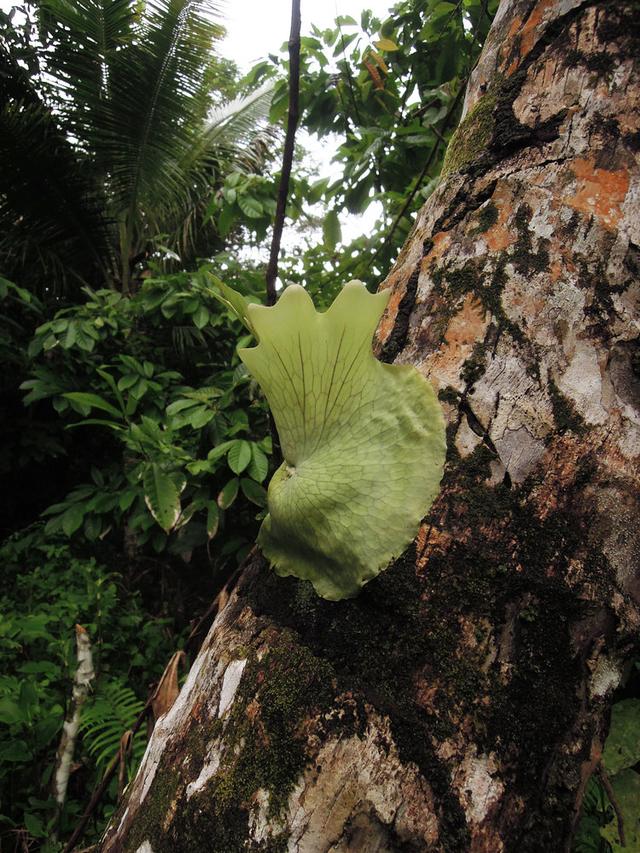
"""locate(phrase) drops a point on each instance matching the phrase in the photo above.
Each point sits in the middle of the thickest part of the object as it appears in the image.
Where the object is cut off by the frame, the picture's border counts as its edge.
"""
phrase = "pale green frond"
(363, 442)
(234, 301)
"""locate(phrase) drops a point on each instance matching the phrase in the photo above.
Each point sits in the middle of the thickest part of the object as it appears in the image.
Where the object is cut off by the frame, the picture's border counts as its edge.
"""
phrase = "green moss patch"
(564, 412)
(472, 137)
(287, 684)
(487, 217)
(525, 260)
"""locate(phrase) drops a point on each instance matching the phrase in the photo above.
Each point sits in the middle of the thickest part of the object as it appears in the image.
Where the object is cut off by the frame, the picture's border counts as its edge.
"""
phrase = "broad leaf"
(363, 442)
(331, 230)
(228, 493)
(213, 519)
(387, 44)
(233, 300)
(259, 465)
(72, 519)
(239, 456)
(162, 496)
(92, 401)
(253, 491)
(626, 787)
(622, 748)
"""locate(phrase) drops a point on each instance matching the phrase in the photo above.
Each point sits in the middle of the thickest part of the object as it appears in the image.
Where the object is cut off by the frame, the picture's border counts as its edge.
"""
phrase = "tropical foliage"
(47, 588)
(391, 92)
(117, 135)
(136, 169)
(181, 436)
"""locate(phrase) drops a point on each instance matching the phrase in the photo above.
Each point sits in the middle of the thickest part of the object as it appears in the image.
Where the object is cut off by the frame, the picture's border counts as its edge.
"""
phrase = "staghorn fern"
(363, 442)
(110, 713)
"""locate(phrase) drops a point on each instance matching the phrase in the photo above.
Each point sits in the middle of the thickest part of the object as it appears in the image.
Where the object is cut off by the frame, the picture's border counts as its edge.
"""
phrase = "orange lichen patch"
(599, 192)
(468, 325)
(507, 45)
(389, 317)
(527, 33)
(465, 328)
(499, 236)
(441, 242)
(555, 270)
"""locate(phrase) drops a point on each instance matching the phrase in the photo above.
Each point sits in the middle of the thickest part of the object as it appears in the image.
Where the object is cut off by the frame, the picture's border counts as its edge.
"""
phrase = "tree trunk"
(460, 702)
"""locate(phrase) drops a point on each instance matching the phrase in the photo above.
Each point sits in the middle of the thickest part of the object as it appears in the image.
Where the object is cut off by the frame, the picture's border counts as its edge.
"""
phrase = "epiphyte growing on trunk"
(363, 442)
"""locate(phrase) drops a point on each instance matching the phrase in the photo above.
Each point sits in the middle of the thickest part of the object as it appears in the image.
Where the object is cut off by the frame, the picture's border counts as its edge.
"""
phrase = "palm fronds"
(127, 147)
(52, 226)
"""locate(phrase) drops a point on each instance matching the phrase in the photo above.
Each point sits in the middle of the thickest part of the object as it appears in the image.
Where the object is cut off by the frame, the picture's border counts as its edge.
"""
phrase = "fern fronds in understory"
(112, 710)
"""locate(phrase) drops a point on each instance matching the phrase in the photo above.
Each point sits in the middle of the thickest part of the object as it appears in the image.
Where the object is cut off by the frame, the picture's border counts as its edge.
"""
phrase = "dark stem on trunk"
(287, 158)
(423, 174)
(606, 784)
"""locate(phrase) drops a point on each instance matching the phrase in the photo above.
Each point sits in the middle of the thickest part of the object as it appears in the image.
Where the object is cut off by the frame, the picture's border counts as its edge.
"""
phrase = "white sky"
(258, 27)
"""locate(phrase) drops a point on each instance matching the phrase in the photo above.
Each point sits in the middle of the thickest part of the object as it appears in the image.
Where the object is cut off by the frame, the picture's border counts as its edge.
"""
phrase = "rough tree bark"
(461, 701)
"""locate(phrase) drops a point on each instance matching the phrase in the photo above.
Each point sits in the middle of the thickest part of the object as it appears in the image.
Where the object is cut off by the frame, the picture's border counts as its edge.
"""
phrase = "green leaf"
(200, 417)
(386, 44)
(139, 389)
(70, 337)
(626, 788)
(92, 528)
(72, 519)
(97, 422)
(239, 456)
(35, 826)
(219, 451)
(259, 465)
(250, 206)
(363, 442)
(127, 381)
(201, 317)
(180, 405)
(10, 712)
(213, 519)
(233, 300)
(161, 496)
(331, 230)
(15, 750)
(92, 401)
(225, 220)
(253, 491)
(622, 747)
(229, 493)
(126, 499)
